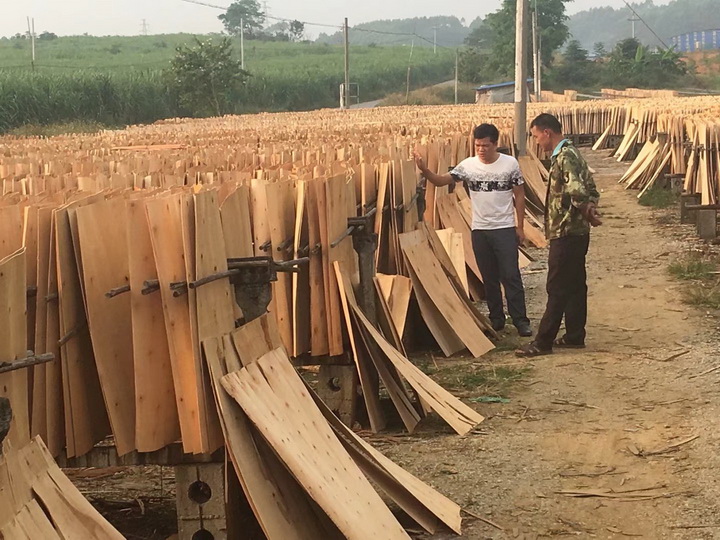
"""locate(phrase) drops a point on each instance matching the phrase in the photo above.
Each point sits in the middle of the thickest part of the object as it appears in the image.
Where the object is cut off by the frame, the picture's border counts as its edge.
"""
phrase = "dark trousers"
(496, 252)
(567, 291)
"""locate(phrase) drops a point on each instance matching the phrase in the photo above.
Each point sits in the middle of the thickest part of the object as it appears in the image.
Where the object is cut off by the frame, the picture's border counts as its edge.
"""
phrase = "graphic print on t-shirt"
(491, 190)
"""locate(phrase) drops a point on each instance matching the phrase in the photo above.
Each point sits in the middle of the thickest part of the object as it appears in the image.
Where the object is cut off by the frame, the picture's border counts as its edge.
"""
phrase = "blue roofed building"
(499, 93)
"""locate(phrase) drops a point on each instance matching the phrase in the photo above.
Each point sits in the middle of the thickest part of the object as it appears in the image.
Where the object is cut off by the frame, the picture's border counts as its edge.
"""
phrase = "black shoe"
(524, 330)
(498, 325)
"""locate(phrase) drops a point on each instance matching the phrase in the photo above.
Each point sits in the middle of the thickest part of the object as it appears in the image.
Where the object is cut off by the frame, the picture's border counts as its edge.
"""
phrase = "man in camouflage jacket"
(570, 211)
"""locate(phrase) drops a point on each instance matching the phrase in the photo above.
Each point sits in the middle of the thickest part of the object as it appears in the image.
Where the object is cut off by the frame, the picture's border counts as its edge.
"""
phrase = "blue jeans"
(496, 252)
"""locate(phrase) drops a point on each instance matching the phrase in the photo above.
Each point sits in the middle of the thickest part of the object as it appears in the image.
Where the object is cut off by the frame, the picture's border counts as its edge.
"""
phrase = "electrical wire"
(693, 75)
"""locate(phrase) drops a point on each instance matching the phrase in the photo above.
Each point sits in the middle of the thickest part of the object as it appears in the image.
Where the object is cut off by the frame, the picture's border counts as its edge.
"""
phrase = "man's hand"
(520, 233)
(591, 215)
(420, 162)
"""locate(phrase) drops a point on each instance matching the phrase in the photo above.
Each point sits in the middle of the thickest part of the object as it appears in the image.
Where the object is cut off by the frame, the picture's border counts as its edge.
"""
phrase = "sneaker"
(524, 330)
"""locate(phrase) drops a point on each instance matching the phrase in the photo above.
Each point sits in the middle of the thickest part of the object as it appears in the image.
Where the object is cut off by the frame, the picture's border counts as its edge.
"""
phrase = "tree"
(296, 30)
(599, 50)
(243, 12)
(575, 71)
(632, 64)
(47, 36)
(496, 33)
(206, 76)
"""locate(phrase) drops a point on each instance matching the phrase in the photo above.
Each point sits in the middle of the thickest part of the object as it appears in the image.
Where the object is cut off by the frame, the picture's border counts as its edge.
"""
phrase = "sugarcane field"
(454, 307)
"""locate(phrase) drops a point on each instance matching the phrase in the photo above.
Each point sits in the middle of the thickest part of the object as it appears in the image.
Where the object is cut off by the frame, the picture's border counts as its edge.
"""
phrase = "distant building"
(696, 41)
(499, 93)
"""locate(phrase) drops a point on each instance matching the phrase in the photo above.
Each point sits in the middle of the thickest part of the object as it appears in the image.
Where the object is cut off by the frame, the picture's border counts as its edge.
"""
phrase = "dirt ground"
(584, 421)
(600, 422)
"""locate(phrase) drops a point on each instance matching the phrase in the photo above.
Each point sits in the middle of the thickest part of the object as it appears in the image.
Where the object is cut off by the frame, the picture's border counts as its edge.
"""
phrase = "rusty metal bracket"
(287, 244)
(30, 360)
(213, 277)
(179, 288)
(117, 291)
(71, 334)
(150, 286)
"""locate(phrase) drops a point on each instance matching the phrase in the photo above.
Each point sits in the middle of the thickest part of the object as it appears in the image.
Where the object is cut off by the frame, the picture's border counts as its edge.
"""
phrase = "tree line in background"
(489, 55)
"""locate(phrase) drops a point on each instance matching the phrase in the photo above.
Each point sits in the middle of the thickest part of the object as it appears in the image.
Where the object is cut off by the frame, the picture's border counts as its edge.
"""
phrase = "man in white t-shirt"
(497, 194)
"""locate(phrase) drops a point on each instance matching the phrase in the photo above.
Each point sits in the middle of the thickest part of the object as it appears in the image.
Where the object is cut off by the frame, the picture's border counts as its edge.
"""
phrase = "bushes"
(283, 77)
(37, 98)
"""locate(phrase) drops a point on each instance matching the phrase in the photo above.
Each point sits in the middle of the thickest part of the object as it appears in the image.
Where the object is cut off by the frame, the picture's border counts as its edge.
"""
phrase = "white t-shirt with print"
(491, 190)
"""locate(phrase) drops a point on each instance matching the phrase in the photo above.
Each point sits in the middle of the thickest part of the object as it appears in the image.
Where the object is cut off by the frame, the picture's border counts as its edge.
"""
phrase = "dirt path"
(578, 418)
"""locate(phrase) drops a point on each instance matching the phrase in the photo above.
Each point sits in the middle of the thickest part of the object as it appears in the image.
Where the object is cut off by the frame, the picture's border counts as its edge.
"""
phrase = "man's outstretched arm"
(437, 179)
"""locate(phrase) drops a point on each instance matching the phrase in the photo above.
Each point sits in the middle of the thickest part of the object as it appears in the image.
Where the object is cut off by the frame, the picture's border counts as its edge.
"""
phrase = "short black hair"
(486, 131)
(547, 121)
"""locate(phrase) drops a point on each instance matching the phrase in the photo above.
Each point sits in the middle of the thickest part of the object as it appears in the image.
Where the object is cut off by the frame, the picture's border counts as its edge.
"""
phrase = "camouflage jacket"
(571, 185)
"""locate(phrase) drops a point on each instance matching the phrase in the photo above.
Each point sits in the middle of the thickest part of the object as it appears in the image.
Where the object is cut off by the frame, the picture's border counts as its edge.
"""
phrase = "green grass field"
(118, 80)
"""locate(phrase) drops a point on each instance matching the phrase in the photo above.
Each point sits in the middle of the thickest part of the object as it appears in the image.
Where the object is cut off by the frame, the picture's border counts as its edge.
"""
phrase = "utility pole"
(633, 20)
(520, 79)
(31, 32)
(144, 28)
(435, 39)
(242, 43)
(456, 76)
(346, 86)
(536, 54)
(407, 87)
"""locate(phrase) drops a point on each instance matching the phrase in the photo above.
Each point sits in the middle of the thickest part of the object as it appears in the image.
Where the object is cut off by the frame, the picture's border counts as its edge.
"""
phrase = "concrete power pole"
(536, 55)
(520, 79)
(633, 20)
(346, 86)
(435, 39)
(242, 43)
(31, 31)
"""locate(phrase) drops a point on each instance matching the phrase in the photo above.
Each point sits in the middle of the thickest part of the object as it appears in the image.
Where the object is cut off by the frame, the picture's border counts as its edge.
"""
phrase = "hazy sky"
(124, 17)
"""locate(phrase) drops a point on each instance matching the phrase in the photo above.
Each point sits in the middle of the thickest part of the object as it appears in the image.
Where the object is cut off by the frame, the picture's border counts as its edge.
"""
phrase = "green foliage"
(574, 71)
(705, 295)
(658, 197)
(609, 25)
(245, 12)
(700, 269)
(52, 130)
(599, 49)
(433, 95)
(205, 77)
(630, 64)
(296, 30)
(112, 100)
(76, 78)
(633, 65)
(692, 266)
(47, 36)
(472, 66)
(494, 39)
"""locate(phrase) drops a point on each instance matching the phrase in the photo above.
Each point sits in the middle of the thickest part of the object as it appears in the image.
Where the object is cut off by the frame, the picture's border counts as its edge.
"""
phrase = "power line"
(306, 23)
(339, 28)
(694, 75)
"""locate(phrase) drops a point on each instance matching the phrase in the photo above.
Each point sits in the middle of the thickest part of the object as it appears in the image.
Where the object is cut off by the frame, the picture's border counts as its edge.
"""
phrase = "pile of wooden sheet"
(37, 501)
(305, 474)
(13, 340)
(114, 224)
(675, 136)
